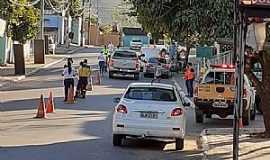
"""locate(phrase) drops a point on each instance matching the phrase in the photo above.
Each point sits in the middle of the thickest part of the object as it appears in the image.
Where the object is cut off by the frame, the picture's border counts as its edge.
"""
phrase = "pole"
(82, 26)
(235, 61)
(89, 21)
(41, 19)
(97, 24)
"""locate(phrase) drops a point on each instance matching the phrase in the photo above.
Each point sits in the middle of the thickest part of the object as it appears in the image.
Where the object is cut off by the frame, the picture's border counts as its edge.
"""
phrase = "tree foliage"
(188, 21)
(23, 22)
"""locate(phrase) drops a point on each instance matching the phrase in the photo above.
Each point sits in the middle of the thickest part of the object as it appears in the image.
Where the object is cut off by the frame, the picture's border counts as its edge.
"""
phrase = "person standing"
(106, 54)
(84, 73)
(69, 75)
(101, 63)
(111, 48)
(189, 76)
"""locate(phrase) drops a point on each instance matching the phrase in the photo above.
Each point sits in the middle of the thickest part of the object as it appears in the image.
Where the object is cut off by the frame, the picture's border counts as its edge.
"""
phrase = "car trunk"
(124, 63)
(147, 111)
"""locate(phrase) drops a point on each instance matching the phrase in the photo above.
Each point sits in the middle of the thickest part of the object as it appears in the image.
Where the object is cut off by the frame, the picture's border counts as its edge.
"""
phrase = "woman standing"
(69, 75)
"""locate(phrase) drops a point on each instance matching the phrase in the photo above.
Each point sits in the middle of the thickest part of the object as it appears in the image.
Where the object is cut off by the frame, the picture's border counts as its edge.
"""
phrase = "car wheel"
(253, 112)
(246, 118)
(136, 76)
(117, 140)
(111, 75)
(198, 116)
(179, 143)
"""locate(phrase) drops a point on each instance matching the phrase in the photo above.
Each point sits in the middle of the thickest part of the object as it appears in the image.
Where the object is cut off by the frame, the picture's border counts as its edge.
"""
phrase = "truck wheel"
(111, 75)
(136, 76)
(246, 118)
(117, 140)
(198, 116)
(179, 143)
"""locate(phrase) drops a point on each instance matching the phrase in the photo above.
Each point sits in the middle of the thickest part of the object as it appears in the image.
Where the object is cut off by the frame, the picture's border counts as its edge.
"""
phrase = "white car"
(152, 111)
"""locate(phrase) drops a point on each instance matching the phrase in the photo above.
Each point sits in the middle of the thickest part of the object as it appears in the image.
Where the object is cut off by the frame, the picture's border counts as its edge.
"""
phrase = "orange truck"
(215, 95)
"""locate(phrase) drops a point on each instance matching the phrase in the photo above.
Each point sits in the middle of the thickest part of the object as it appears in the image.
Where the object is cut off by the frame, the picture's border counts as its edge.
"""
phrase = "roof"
(134, 31)
(158, 85)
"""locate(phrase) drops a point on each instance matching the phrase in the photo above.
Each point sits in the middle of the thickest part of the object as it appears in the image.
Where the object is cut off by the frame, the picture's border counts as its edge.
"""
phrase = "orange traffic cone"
(71, 99)
(50, 104)
(41, 113)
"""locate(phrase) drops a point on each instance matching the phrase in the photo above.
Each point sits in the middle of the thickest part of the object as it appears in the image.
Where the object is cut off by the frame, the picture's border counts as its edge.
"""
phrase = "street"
(82, 130)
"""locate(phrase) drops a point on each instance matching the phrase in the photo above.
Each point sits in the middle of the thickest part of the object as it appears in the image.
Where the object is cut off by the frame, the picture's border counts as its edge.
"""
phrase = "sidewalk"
(218, 144)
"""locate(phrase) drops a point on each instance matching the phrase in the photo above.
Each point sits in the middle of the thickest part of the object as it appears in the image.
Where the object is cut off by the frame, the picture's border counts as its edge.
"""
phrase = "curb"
(202, 141)
(182, 93)
(19, 78)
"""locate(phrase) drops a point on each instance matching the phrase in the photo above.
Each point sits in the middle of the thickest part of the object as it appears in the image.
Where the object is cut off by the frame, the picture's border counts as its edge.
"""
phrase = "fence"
(222, 58)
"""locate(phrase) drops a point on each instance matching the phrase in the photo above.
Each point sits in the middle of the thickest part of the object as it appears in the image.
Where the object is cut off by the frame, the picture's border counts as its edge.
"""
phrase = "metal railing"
(222, 58)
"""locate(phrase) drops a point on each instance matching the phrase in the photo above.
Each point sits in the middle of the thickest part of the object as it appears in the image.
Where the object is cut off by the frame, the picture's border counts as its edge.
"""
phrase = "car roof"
(124, 50)
(156, 85)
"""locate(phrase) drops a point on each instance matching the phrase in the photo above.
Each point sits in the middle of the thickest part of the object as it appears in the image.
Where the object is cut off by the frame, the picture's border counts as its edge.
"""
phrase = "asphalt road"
(81, 130)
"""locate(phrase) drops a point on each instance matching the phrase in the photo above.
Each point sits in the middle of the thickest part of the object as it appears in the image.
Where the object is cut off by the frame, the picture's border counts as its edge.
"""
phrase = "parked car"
(150, 111)
(152, 63)
(124, 63)
(215, 94)
(136, 44)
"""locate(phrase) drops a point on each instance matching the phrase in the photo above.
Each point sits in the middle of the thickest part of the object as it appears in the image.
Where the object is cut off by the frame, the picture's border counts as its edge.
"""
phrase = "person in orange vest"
(189, 76)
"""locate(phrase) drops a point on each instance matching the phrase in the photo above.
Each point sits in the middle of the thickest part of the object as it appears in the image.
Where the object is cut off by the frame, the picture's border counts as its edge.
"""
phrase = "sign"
(254, 3)
(3, 25)
(204, 52)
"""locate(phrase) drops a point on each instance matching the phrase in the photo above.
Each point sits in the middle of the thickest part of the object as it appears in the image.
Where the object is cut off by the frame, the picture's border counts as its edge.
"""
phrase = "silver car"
(152, 63)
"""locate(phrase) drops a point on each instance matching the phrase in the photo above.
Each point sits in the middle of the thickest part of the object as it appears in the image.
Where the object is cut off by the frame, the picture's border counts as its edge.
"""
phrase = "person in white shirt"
(111, 48)
(101, 63)
(69, 75)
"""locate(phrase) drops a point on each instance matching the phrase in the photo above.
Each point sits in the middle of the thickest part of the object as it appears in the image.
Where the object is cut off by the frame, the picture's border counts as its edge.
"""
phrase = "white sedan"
(150, 110)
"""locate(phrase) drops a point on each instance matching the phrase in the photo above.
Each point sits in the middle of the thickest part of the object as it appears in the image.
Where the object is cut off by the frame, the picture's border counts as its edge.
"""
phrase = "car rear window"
(153, 94)
(220, 78)
(125, 54)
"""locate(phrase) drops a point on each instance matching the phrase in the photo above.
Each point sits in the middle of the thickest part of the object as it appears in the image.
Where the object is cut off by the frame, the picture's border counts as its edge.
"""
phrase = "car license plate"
(220, 105)
(150, 115)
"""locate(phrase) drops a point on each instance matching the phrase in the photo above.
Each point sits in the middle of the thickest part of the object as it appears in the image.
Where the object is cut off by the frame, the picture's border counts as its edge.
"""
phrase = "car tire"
(246, 118)
(111, 75)
(117, 140)
(137, 76)
(179, 143)
(198, 116)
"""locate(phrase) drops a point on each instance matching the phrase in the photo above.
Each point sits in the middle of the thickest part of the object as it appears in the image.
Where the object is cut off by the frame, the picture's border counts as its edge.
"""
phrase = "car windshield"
(125, 54)
(220, 78)
(153, 60)
(136, 41)
(152, 94)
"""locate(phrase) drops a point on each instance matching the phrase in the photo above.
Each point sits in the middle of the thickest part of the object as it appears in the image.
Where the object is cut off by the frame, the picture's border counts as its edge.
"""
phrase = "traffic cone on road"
(71, 99)
(50, 103)
(41, 113)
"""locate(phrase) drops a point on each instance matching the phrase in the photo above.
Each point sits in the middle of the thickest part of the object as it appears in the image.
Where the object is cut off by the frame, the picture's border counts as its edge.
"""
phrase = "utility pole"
(82, 25)
(97, 23)
(42, 19)
(89, 21)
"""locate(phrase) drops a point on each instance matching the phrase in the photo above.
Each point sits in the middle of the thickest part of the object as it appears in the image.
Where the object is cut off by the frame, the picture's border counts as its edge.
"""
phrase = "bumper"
(207, 107)
(149, 131)
(124, 71)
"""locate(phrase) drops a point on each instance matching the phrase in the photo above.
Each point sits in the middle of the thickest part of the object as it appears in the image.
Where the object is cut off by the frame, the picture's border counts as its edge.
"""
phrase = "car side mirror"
(116, 100)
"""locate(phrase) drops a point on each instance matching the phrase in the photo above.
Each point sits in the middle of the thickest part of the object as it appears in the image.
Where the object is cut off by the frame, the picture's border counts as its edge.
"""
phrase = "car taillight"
(121, 109)
(245, 92)
(177, 112)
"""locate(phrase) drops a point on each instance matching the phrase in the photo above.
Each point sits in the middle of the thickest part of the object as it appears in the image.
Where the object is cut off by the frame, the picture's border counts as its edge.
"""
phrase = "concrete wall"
(101, 39)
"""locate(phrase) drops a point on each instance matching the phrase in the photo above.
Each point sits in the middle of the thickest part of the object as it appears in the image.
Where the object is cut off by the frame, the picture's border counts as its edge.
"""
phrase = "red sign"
(255, 2)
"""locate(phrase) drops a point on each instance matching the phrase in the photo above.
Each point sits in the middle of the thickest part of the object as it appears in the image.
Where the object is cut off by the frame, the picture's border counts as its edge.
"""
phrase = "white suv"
(124, 63)
(150, 110)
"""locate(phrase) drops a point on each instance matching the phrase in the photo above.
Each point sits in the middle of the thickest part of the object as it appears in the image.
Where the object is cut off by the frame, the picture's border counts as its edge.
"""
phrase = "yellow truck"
(215, 95)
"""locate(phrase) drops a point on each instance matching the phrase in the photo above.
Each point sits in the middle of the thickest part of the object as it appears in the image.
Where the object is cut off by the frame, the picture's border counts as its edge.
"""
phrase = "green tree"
(23, 22)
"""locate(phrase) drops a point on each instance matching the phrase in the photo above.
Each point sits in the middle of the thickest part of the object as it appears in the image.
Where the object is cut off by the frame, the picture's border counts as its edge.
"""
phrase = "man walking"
(189, 76)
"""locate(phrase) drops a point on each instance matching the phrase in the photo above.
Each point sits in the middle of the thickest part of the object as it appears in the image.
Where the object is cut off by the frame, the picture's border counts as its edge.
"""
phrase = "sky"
(106, 9)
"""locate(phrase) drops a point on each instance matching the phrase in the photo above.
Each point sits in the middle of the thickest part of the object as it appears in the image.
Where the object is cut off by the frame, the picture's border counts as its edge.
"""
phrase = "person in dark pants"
(69, 75)
(84, 74)
(189, 77)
